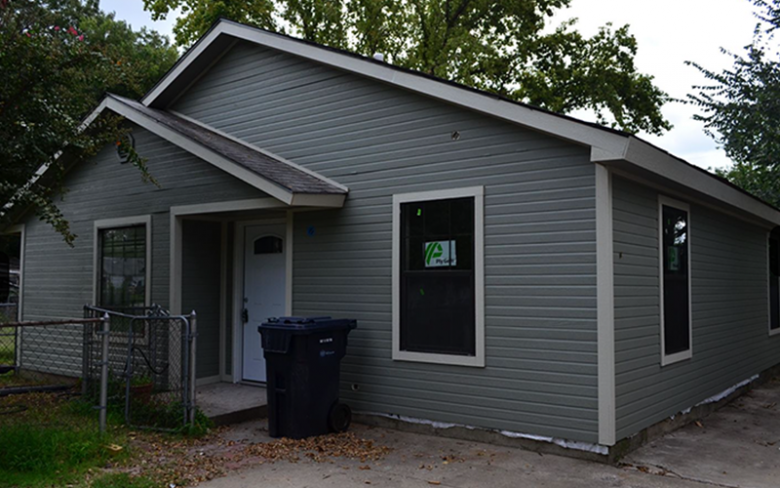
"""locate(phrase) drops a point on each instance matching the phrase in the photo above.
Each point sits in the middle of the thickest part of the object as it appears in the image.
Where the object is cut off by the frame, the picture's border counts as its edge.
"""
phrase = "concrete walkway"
(228, 403)
(737, 446)
(424, 461)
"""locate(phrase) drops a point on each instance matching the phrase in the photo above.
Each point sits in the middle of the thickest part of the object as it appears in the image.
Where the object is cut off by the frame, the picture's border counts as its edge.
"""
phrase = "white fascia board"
(202, 152)
(556, 125)
(318, 200)
(649, 158)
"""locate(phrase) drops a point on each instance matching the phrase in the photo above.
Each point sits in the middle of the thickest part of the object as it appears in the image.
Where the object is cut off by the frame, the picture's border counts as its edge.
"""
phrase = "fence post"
(104, 373)
(193, 349)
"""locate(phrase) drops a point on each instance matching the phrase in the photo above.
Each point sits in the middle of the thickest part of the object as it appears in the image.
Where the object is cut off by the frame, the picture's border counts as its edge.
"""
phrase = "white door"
(264, 290)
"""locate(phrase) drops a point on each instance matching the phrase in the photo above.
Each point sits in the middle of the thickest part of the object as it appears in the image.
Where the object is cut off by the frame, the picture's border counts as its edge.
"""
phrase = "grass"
(7, 347)
(45, 440)
(53, 440)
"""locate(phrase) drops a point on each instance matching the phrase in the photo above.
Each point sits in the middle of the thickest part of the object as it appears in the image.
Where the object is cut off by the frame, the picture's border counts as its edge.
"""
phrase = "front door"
(264, 290)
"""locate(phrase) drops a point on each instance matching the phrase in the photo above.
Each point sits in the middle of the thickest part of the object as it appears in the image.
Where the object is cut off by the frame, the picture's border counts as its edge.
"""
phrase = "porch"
(232, 263)
(231, 403)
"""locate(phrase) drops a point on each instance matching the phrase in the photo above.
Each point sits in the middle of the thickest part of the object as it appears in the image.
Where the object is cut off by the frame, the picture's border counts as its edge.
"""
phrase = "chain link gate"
(151, 364)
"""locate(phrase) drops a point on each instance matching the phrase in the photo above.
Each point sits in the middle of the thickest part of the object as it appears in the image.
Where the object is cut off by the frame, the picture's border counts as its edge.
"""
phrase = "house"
(510, 269)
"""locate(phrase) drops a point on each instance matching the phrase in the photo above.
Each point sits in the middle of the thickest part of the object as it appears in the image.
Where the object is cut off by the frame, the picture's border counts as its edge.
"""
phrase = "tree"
(501, 46)
(741, 108)
(58, 59)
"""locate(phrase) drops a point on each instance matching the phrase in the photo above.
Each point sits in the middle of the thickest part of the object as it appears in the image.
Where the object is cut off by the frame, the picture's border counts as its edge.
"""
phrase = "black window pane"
(269, 245)
(413, 218)
(439, 314)
(437, 277)
(437, 218)
(123, 267)
(675, 276)
(414, 254)
(462, 216)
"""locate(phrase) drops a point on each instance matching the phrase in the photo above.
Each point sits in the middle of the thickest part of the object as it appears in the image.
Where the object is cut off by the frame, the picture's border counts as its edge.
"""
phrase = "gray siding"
(540, 374)
(58, 279)
(729, 305)
(200, 289)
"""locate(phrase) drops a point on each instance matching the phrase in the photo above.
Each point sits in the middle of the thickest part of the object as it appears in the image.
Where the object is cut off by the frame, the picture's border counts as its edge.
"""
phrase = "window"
(269, 245)
(122, 271)
(437, 277)
(124, 148)
(675, 284)
(774, 284)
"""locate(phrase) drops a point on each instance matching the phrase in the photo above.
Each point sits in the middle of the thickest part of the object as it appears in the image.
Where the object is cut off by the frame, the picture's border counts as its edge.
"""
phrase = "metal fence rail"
(151, 366)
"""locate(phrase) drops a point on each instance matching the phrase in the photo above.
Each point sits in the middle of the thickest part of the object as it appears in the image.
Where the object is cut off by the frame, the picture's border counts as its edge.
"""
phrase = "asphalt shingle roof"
(264, 164)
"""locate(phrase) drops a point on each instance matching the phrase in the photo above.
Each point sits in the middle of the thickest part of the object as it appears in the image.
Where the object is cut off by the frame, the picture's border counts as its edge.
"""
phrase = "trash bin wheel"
(340, 417)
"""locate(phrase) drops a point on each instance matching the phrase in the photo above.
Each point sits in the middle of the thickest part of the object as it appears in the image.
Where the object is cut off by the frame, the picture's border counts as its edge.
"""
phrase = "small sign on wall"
(440, 254)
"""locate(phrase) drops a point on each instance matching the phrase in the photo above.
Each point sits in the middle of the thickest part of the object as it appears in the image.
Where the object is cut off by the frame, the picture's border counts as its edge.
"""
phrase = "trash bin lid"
(306, 324)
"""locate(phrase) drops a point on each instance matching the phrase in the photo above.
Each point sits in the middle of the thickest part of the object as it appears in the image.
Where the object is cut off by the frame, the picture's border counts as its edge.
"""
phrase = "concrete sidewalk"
(424, 461)
(737, 446)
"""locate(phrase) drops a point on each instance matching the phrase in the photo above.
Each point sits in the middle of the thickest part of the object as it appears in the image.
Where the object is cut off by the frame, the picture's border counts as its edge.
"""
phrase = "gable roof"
(623, 152)
(271, 174)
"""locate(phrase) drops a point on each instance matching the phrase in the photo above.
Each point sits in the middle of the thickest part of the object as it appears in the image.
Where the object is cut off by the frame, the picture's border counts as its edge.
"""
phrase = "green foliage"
(741, 106)
(760, 180)
(58, 59)
(501, 46)
(49, 441)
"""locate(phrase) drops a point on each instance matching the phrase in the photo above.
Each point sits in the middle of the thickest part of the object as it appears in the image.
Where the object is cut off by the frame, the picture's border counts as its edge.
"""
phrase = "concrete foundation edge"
(615, 453)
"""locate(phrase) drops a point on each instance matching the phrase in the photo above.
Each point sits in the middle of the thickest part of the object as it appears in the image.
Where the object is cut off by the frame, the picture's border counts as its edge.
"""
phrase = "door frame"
(238, 284)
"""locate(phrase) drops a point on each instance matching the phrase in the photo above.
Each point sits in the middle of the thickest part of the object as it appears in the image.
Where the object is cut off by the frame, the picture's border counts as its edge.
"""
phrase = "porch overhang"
(290, 184)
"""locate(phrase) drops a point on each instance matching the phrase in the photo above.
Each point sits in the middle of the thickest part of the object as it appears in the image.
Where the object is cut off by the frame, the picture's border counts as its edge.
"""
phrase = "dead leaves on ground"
(188, 463)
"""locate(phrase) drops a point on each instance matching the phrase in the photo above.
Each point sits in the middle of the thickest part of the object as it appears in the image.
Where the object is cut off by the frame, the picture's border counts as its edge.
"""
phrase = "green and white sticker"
(439, 254)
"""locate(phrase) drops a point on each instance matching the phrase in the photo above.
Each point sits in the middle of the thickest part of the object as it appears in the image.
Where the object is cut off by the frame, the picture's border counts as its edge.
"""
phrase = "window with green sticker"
(437, 299)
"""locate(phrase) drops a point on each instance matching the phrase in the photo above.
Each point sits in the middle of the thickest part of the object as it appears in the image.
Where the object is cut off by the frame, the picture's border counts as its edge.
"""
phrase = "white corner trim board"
(605, 307)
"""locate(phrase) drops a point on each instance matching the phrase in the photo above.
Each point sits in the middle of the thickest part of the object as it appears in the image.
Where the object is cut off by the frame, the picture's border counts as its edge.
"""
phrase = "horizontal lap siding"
(729, 305)
(58, 279)
(540, 374)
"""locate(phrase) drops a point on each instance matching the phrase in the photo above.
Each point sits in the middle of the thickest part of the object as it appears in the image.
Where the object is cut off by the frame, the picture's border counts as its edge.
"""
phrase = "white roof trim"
(606, 145)
(560, 126)
(647, 157)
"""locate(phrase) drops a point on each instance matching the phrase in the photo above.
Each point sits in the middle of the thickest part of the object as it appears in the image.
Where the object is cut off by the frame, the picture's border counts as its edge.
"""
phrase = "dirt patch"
(188, 462)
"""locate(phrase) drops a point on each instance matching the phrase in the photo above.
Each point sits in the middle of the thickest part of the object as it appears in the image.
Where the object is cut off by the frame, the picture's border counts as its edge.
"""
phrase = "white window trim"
(478, 360)
(772, 332)
(145, 220)
(687, 354)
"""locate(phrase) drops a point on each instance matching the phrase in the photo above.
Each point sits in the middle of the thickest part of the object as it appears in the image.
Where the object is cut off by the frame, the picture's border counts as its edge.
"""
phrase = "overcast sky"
(668, 33)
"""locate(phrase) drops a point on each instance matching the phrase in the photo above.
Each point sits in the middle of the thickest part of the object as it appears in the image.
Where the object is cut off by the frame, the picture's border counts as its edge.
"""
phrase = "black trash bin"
(302, 357)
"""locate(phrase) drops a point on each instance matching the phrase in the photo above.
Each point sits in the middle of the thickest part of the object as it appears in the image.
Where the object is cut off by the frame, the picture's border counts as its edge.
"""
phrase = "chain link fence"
(41, 356)
(138, 363)
(150, 365)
